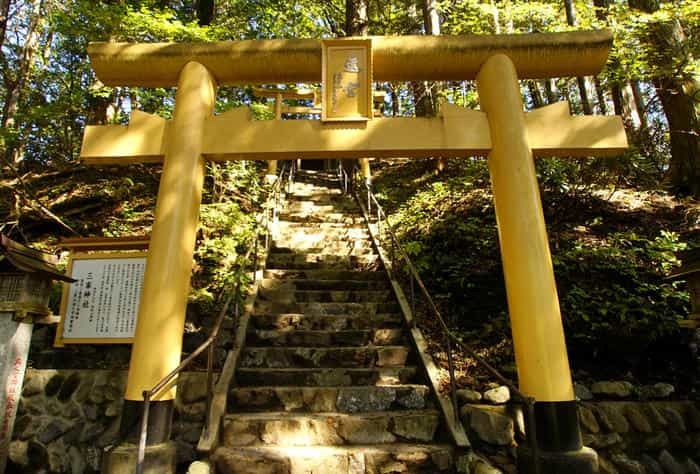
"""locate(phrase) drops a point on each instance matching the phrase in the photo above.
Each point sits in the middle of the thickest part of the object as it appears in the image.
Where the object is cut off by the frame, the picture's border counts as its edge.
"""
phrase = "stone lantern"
(26, 275)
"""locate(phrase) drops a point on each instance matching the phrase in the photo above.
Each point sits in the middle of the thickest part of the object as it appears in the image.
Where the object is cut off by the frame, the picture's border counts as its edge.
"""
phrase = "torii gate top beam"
(403, 58)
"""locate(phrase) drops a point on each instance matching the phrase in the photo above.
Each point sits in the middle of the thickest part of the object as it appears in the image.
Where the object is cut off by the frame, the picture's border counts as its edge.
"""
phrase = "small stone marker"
(14, 349)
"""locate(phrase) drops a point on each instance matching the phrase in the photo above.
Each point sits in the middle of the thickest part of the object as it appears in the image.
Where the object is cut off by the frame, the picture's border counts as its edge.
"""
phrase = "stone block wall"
(630, 437)
(67, 419)
(643, 437)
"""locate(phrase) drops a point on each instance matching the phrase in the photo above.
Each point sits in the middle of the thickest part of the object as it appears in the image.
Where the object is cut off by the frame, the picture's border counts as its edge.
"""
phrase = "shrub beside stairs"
(328, 380)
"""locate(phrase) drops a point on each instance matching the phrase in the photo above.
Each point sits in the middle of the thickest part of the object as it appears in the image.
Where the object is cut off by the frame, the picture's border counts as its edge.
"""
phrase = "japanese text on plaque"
(104, 301)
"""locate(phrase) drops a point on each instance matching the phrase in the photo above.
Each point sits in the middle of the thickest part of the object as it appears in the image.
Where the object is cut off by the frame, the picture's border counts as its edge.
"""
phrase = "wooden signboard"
(102, 305)
(347, 80)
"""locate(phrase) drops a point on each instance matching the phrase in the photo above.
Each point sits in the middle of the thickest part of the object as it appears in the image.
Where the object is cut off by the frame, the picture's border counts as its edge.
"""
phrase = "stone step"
(321, 180)
(313, 177)
(359, 399)
(317, 182)
(319, 242)
(323, 284)
(334, 429)
(325, 226)
(337, 239)
(346, 309)
(321, 199)
(324, 296)
(337, 377)
(357, 248)
(315, 207)
(325, 338)
(315, 238)
(334, 217)
(310, 192)
(353, 275)
(325, 322)
(323, 357)
(359, 459)
(318, 260)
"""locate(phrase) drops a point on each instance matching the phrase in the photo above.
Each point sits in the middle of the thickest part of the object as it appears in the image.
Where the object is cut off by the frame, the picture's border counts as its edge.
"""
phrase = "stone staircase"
(328, 381)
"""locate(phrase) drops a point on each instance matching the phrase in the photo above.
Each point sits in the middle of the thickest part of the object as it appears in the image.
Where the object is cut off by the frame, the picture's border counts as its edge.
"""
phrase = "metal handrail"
(450, 337)
(208, 344)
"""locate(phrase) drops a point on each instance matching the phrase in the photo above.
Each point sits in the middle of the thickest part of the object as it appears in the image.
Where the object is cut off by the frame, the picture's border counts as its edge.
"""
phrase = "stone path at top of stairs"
(327, 381)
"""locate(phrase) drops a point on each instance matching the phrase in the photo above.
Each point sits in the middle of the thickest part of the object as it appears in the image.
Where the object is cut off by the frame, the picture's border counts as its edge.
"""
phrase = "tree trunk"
(356, 18)
(629, 107)
(535, 94)
(639, 104)
(495, 17)
(431, 22)
(205, 11)
(582, 87)
(683, 123)
(356, 24)
(678, 95)
(550, 89)
(17, 85)
(624, 106)
(429, 92)
(602, 100)
(395, 110)
(601, 7)
(616, 93)
(431, 17)
(4, 13)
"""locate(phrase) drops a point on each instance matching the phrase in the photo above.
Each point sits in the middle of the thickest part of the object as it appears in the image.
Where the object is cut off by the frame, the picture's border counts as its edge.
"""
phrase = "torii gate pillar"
(157, 343)
(538, 333)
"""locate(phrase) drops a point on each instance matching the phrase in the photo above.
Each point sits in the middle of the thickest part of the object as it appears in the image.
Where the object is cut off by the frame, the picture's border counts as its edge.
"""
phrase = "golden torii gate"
(500, 130)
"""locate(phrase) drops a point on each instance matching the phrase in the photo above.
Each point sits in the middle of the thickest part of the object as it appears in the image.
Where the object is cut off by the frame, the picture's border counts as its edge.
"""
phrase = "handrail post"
(453, 383)
(369, 201)
(210, 382)
(413, 299)
(141, 453)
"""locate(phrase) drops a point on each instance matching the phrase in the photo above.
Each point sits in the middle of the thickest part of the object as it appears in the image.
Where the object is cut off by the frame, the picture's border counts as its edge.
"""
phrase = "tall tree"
(4, 15)
(678, 88)
(431, 23)
(582, 83)
(431, 17)
(356, 18)
(15, 85)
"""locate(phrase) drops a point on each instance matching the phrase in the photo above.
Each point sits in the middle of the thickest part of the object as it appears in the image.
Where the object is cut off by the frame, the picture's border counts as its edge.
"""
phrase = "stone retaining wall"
(643, 437)
(631, 437)
(67, 418)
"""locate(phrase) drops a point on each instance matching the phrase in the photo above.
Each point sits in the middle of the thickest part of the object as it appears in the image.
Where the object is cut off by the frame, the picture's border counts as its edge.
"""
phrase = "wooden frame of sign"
(346, 66)
(102, 305)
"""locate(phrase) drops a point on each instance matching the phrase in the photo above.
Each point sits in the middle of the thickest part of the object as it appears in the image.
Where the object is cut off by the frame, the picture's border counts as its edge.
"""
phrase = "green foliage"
(447, 226)
(644, 44)
(611, 282)
(227, 230)
(227, 234)
(470, 17)
(613, 292)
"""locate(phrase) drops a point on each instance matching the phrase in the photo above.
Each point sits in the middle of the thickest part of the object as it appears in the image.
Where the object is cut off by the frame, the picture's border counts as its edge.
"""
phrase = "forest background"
(615, 224)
